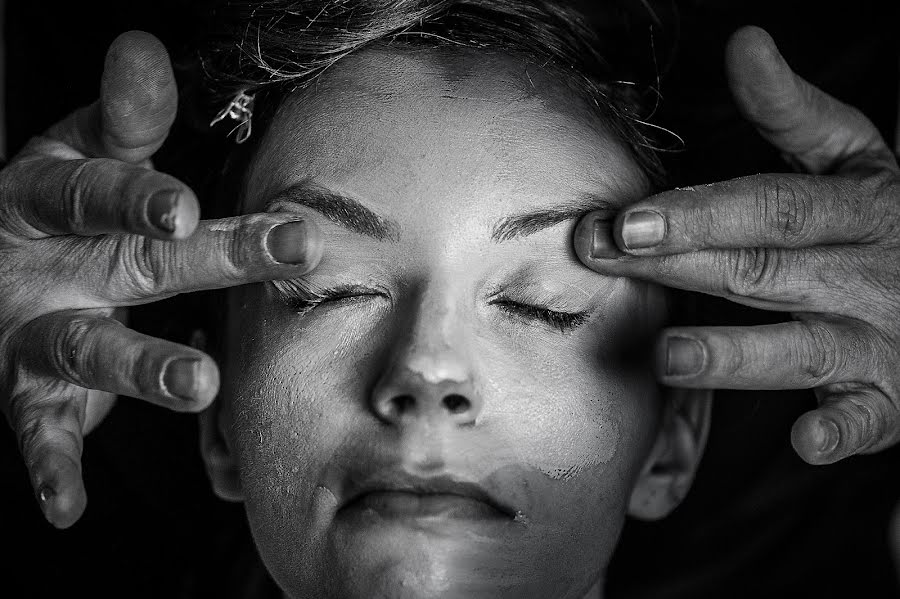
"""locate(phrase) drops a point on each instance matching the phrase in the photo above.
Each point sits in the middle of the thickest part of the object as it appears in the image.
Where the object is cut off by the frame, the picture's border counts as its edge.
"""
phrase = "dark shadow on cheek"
(630, 346)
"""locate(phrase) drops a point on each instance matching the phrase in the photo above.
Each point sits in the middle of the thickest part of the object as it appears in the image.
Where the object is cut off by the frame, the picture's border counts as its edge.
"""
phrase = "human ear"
(219, 460)
(221, 466)
(670, 467)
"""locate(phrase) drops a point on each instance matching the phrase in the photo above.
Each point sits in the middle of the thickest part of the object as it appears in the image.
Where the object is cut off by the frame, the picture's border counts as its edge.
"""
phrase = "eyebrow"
(341, 209)
(353, 215)
(529, 223)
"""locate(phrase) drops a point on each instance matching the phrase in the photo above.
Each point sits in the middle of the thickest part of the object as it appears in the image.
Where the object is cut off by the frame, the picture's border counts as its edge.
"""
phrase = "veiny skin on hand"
(86, 228)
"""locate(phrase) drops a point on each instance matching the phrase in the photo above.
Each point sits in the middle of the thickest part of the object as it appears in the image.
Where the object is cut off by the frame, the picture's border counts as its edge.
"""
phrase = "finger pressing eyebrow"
(353, 215)
(529, 223)
(338, 208)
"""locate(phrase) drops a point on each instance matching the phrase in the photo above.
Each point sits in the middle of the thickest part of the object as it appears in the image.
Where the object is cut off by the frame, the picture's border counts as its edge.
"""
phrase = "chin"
(422, 564)
(395, 576)
(415, 560)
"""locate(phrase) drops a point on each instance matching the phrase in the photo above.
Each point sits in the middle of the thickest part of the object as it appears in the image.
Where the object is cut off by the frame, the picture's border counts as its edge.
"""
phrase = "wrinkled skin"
(823, 246)
(88, 227)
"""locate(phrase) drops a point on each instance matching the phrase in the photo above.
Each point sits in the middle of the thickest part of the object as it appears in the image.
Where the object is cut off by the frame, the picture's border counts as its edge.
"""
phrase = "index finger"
(771, 210)
(220, 253)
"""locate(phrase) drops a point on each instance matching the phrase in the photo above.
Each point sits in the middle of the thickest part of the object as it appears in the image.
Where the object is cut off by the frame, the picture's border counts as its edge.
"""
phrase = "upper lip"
(405, 482)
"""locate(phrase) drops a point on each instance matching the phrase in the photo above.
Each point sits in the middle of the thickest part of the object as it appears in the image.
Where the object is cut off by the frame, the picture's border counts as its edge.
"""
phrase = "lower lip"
(399, 504)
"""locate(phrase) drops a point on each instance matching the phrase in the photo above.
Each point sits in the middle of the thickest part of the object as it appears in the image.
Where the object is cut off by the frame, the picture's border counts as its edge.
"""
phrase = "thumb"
(138, 97)
(809, 126)
(137, 106)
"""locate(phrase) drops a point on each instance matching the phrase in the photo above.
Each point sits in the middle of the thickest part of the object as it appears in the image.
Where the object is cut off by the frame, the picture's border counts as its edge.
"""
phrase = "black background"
(759, 522)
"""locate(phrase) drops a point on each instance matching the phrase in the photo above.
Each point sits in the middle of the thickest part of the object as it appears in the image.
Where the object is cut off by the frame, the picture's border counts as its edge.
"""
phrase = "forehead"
(462, 134)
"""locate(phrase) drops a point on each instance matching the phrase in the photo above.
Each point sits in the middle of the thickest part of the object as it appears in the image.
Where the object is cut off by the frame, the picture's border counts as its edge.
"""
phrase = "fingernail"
(602, 244)
(287, 243)
(643, 229)
(829, 435)
(684, 356)
(162, 210)
(182, 378)
(46, 494)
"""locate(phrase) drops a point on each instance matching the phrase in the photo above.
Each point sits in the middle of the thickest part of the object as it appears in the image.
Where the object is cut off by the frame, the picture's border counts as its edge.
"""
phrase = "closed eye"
(562, 321)
(302, 297)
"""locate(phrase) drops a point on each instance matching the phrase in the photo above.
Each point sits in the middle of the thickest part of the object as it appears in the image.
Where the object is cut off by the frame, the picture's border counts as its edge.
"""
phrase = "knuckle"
(146, 372)
(784, 208)
(73, 190)
(234, 250)
(71, 349)
(701, 220)
(40, 437)
(33, 435)
(150, 261)
(241, 248)
(866, 428)
(41, 423)
(147, 267)
(752, 271)
(817, 352)
(733, 364)
(140, 266)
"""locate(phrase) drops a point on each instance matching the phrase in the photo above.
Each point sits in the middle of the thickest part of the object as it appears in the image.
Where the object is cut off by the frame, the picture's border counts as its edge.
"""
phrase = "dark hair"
(271, 48)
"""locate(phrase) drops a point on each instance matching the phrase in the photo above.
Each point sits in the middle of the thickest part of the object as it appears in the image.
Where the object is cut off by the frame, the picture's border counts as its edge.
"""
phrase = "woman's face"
(449, 405)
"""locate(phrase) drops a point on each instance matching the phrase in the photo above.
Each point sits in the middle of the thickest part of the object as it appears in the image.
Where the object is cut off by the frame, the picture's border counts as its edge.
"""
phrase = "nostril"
(456, 404)
(404, 403)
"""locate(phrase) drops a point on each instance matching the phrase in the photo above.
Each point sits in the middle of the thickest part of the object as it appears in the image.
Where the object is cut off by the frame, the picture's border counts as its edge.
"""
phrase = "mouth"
(405, 496)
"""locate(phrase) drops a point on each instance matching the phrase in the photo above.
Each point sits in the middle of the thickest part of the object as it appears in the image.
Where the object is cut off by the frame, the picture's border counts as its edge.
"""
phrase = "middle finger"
(96, 352)
(795, 355)
(221, 253)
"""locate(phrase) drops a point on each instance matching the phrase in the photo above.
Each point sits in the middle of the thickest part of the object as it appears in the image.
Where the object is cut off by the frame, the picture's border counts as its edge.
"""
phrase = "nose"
(432, 387)
(409, 398)
(428, 374)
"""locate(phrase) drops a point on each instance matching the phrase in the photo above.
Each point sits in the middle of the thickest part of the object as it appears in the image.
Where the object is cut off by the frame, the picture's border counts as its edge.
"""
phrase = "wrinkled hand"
(823, 246)
(87, 226)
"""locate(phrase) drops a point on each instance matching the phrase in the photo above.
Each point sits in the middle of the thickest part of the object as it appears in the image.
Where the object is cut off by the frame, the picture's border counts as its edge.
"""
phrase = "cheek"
(561, 417)
(583, 429)
(288, 400)
(580, 404)
(561, 430)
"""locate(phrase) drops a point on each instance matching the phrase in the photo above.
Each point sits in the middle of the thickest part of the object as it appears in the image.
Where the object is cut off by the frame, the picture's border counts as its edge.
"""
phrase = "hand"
(823, 246)
(87, 226)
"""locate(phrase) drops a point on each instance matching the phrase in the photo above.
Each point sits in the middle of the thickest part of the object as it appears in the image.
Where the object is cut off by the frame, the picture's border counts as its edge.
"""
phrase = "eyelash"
(564, 322)
(302, 301)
